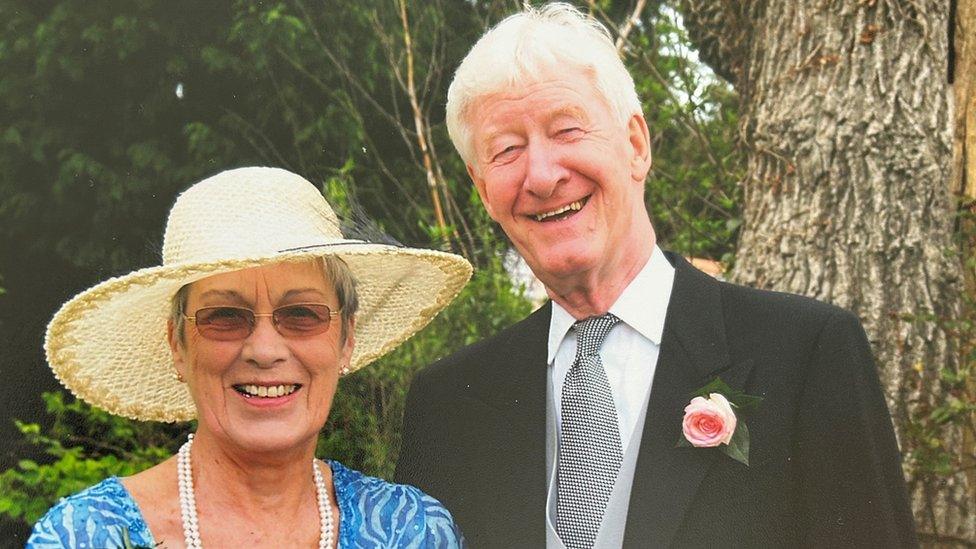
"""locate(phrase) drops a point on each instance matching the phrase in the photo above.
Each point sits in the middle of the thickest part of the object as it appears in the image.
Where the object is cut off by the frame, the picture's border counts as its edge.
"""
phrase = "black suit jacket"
(824, 466)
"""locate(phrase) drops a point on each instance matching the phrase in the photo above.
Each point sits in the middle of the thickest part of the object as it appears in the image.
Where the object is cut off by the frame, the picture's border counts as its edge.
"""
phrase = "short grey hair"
(520, 49)
(338, 273)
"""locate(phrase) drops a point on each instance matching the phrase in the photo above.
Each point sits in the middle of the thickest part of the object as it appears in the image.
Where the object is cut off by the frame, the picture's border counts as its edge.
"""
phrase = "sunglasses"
(237, 323)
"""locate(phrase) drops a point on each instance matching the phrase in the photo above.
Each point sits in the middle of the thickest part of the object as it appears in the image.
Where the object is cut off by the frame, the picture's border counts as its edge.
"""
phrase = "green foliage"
(85, 445)
(931, 454)
(692, 192)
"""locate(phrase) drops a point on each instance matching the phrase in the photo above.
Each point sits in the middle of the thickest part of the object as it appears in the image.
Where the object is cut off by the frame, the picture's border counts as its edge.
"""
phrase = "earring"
(179, 377)
(344, 370)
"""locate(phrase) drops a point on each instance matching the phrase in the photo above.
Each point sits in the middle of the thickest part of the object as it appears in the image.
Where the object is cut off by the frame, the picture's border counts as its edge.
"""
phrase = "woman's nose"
(265, 347)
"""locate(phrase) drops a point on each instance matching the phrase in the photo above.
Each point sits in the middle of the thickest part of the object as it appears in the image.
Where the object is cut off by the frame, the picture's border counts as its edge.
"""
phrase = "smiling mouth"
(562, 212)
(266, 391)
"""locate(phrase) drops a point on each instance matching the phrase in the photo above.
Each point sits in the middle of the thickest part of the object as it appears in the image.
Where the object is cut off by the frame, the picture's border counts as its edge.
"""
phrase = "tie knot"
(591, 332)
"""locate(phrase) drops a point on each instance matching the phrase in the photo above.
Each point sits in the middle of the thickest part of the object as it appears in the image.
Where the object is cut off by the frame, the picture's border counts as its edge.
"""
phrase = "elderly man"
(570, 428)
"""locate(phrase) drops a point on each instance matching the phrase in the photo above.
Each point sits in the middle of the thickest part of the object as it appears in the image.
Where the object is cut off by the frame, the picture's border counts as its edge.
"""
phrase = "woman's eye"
(298, 312)
(225, 312)
(569, 131)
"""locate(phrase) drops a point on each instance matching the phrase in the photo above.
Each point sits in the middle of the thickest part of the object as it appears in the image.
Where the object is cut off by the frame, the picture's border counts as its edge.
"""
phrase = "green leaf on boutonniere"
(738, 447)
(737, 398)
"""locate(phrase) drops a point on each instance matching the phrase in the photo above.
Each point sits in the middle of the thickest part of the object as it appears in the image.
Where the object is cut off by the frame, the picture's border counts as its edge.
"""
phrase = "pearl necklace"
(188, 505)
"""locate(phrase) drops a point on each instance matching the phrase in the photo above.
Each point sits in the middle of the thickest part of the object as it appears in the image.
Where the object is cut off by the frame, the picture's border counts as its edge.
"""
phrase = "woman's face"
(295, 377)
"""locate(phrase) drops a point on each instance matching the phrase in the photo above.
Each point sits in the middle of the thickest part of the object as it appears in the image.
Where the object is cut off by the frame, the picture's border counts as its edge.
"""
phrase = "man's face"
(561, 175)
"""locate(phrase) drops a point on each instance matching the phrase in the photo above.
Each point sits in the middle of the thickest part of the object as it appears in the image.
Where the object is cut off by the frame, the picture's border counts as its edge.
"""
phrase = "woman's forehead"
(277, 281)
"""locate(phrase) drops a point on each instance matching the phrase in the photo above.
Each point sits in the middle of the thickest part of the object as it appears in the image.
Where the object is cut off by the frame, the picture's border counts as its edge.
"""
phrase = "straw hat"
(235, 220)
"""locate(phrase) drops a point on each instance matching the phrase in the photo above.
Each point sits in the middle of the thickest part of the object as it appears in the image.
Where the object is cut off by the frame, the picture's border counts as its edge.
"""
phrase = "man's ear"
(479, 184)
(640, 142)
(176, 347)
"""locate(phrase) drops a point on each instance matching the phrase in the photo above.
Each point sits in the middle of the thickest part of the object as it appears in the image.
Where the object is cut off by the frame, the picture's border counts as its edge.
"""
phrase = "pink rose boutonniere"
(711, 420)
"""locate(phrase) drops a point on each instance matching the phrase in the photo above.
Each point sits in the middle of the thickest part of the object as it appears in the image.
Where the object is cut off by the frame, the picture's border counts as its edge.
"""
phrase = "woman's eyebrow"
(231, 295)
(299, 291)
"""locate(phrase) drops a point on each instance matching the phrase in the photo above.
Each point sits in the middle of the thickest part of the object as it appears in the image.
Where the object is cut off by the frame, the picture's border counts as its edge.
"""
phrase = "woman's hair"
(335, 269)
(527, 46)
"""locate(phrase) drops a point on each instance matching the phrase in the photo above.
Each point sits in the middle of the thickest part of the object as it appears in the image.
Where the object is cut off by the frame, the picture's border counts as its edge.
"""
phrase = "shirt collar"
(642, 305)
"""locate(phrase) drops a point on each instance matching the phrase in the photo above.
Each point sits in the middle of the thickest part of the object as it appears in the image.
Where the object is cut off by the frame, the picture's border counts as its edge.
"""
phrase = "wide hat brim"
(108, 344)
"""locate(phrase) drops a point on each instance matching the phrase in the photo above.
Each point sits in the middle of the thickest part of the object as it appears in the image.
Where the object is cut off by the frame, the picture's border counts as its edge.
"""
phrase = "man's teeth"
(263, 391)
(574, 206)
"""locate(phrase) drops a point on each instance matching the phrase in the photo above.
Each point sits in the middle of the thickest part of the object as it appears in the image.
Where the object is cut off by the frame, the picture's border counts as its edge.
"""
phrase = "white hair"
(524, 47)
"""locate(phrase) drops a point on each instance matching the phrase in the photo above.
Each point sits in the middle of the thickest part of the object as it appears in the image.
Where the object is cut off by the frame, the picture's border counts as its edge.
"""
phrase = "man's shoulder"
(745, 306)
(767, 311)
(482, 355)
(735, 295)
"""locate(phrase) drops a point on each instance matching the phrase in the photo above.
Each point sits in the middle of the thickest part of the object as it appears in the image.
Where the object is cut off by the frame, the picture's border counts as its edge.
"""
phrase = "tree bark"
(846, 122)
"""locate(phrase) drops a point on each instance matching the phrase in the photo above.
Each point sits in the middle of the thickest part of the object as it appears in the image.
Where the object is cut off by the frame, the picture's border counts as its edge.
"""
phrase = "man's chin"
(558, 270)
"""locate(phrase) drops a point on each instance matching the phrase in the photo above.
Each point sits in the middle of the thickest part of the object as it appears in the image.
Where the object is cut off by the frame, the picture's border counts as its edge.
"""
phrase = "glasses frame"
(333, 314)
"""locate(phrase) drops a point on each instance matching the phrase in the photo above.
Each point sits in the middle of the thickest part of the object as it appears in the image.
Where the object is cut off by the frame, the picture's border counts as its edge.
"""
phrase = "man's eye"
(502, 154)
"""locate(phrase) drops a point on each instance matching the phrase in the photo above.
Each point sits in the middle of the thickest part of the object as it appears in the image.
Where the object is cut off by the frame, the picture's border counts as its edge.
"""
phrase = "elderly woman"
(259, 307)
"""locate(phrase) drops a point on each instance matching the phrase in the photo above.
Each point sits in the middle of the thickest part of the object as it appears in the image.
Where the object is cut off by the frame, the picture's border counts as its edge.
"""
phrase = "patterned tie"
(589, 448)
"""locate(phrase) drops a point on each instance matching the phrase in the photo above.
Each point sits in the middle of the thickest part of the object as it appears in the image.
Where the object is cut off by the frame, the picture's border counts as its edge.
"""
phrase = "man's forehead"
(497, 113)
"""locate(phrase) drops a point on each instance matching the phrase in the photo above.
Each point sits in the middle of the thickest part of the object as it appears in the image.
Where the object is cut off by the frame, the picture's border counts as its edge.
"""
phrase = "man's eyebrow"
(572, 111)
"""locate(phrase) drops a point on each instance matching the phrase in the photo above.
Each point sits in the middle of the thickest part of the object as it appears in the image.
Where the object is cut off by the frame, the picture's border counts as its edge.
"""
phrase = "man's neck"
(593, 293)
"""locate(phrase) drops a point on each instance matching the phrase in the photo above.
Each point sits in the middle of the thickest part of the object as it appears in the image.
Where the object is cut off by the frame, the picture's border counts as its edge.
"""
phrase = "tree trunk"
(846, 124)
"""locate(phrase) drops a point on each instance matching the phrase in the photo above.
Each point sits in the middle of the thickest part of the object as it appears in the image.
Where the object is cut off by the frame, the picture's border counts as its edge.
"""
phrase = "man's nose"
(265, 347)
(545, 170)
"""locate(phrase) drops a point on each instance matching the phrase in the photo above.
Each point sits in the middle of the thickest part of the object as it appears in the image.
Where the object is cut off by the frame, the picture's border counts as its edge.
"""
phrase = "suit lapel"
(693, 351)
(515, 391)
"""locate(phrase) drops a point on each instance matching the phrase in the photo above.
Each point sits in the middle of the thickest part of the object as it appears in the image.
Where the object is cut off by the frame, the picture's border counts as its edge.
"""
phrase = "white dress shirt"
(629, 354)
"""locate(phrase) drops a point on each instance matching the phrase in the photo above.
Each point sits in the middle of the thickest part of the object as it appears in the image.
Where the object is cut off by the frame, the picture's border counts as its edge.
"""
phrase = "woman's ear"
(176, 347)
(350, 343)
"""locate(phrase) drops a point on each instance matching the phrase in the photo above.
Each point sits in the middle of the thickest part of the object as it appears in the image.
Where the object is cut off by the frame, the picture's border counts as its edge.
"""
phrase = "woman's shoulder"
(102, 515)
(381, 513)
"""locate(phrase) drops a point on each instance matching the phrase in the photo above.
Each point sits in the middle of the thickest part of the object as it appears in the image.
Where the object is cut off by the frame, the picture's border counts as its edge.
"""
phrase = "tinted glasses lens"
(224, 323)
(302, 320)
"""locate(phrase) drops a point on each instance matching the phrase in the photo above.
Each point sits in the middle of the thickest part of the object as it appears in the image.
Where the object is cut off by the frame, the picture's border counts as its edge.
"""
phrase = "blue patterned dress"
(372, 513)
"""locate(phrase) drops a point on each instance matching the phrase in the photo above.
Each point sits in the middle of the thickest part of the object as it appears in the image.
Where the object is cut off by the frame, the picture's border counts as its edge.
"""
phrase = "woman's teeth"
(263, 391)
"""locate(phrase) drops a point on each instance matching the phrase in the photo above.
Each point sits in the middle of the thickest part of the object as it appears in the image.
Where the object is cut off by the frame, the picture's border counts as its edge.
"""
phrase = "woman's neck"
(260, 486)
